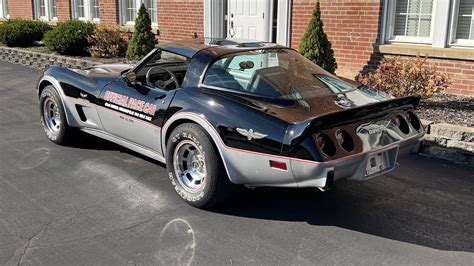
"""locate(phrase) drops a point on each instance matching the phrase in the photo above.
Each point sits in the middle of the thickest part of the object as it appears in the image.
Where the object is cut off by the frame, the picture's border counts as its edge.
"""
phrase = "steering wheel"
(162, 84)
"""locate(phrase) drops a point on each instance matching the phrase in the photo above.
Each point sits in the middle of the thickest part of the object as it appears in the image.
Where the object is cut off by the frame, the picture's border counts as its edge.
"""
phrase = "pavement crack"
(109, 232)
(29, 240)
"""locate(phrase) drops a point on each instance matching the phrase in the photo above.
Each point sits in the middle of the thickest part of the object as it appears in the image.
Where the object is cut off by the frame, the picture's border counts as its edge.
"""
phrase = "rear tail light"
(325, 144)
(402, 124)
(414, 121)
(344, 140)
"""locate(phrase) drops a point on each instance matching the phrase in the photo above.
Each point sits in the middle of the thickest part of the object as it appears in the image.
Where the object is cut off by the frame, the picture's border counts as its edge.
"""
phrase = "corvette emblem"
(250, 134)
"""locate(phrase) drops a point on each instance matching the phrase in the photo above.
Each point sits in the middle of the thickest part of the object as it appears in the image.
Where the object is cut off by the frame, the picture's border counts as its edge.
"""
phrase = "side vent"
(81, 113)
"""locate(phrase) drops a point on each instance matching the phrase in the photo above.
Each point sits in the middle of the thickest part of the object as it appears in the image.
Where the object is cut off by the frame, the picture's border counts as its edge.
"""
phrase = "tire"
(206, 183)
(53, 117)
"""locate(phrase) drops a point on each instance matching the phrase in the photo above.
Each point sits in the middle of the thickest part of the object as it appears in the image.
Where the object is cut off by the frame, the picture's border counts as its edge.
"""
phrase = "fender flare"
(55, 83)
(207, 126)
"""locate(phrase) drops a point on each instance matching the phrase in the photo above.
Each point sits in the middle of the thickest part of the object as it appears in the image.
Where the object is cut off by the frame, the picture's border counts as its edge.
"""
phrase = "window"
(273, 73)
(130, 10)
(463, 22)
(45, 9)
(86, 9)
(3, 8)
(412, 20)
(440, 23)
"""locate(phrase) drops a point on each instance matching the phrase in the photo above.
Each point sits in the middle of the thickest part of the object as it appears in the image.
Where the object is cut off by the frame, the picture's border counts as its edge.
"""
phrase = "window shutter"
(465, 26)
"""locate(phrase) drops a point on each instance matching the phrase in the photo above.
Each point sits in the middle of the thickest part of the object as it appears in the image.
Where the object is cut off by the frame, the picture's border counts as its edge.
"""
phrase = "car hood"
(104, 70)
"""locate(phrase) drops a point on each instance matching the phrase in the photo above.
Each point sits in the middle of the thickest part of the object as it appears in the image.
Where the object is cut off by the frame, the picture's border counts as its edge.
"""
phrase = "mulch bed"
(448, 108)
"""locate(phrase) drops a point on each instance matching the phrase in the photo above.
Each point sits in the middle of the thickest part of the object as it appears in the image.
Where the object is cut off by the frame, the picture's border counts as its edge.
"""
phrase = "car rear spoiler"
(298, 131)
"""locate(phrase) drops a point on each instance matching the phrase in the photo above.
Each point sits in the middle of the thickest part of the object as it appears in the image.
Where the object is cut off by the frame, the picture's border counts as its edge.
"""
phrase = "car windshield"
(274, 73)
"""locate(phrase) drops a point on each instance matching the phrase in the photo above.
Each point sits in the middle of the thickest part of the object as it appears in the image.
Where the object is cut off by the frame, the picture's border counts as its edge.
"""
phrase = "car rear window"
(274, 73)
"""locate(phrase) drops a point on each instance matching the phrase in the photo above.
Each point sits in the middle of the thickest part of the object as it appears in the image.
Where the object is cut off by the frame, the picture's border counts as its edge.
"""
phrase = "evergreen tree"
(315, 44)
(143, 39)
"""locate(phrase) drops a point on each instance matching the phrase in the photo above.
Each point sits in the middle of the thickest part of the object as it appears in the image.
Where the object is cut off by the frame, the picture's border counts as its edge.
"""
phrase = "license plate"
(376, 162)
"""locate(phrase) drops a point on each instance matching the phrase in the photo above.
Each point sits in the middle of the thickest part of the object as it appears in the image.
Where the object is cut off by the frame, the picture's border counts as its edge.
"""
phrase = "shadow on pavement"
(426, 202)
(432, 210)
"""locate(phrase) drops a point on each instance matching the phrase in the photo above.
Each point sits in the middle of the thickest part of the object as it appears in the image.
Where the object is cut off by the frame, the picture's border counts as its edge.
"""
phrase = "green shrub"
(107, 42)
(19, 32)
(70, 38)
(315, 44)
(406, 77)
(143, 39)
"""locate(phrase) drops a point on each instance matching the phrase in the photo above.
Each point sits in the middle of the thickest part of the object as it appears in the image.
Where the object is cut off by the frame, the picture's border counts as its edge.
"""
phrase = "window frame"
(88, 11)
(48, 6)
(453, 29)
(123, 10)
(390, 26)
(4, 9)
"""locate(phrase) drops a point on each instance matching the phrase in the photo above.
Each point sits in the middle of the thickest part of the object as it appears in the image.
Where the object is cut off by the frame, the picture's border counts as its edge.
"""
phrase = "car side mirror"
(130, 78)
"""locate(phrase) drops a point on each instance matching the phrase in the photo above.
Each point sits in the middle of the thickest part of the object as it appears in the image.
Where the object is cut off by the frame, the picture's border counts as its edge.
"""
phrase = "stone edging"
(445, 141)
(41, 60)
(450, 142)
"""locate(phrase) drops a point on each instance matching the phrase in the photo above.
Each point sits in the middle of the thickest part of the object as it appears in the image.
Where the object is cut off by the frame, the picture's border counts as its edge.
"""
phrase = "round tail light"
(325, 144)
(344, 140)
(402, 124)
(414, 121)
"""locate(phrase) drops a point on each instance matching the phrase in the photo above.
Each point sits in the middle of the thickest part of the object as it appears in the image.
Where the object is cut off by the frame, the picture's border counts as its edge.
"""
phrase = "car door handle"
(160, 96)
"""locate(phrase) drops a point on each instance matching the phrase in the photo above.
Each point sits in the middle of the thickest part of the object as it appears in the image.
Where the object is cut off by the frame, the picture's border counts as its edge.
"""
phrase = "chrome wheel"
(51, 115)
(189, 166)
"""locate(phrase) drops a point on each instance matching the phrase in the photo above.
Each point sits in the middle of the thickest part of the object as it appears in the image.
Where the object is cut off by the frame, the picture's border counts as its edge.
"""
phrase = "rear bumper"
(352, 167)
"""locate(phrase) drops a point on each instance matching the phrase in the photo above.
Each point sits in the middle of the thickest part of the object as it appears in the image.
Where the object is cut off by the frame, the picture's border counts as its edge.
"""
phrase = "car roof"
(214, 46)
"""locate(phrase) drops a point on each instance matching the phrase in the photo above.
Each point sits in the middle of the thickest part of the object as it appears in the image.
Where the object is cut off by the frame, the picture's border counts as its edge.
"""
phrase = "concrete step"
(452, 132)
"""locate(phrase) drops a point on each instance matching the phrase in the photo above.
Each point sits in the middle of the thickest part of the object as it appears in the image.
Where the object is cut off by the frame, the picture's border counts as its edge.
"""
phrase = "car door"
(134, 112)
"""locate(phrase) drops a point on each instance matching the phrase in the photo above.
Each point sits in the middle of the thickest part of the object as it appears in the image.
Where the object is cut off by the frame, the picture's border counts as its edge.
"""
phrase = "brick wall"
(20, 8)
(109, 12)
(180, 19)
(63, 9)
(351, 25)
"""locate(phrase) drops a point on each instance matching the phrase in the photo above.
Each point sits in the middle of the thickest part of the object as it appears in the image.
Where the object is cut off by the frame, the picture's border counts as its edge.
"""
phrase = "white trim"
(48, 5)
(440, 22)
(284, 22)
(390, 21)
(4, 9)
(454, 24)
(123, 17)
(88, 11)
(214, 18)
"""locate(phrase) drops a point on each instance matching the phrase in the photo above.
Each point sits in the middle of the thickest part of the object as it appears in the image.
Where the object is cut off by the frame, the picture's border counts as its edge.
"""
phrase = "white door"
(249, 19)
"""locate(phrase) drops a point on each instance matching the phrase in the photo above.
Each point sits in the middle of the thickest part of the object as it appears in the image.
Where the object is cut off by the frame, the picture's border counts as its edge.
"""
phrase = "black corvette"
(222, 112)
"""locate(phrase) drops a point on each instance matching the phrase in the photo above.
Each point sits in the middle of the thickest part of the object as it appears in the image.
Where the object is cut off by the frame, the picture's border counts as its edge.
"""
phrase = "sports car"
(223, 112)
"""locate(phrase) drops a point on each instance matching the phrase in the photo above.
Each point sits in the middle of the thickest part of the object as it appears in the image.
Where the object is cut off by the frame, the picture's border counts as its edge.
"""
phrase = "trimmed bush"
(315, 44)
(70, 38)
(107, 42)
(20, 33)
(143, 39)
(406, 77)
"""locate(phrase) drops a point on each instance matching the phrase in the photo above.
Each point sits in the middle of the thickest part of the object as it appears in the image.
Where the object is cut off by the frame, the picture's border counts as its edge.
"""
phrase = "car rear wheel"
(194, 168)
(53, 117)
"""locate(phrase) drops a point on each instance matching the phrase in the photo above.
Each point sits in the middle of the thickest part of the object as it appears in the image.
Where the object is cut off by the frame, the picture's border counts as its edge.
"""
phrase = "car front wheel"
(194, 167)
(53, 117)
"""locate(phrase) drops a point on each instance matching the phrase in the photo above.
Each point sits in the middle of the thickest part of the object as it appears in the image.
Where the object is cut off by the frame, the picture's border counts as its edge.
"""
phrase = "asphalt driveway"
(98, 203)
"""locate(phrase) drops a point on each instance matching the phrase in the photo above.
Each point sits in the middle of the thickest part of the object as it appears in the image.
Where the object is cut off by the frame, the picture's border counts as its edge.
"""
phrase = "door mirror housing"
(130, 77)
